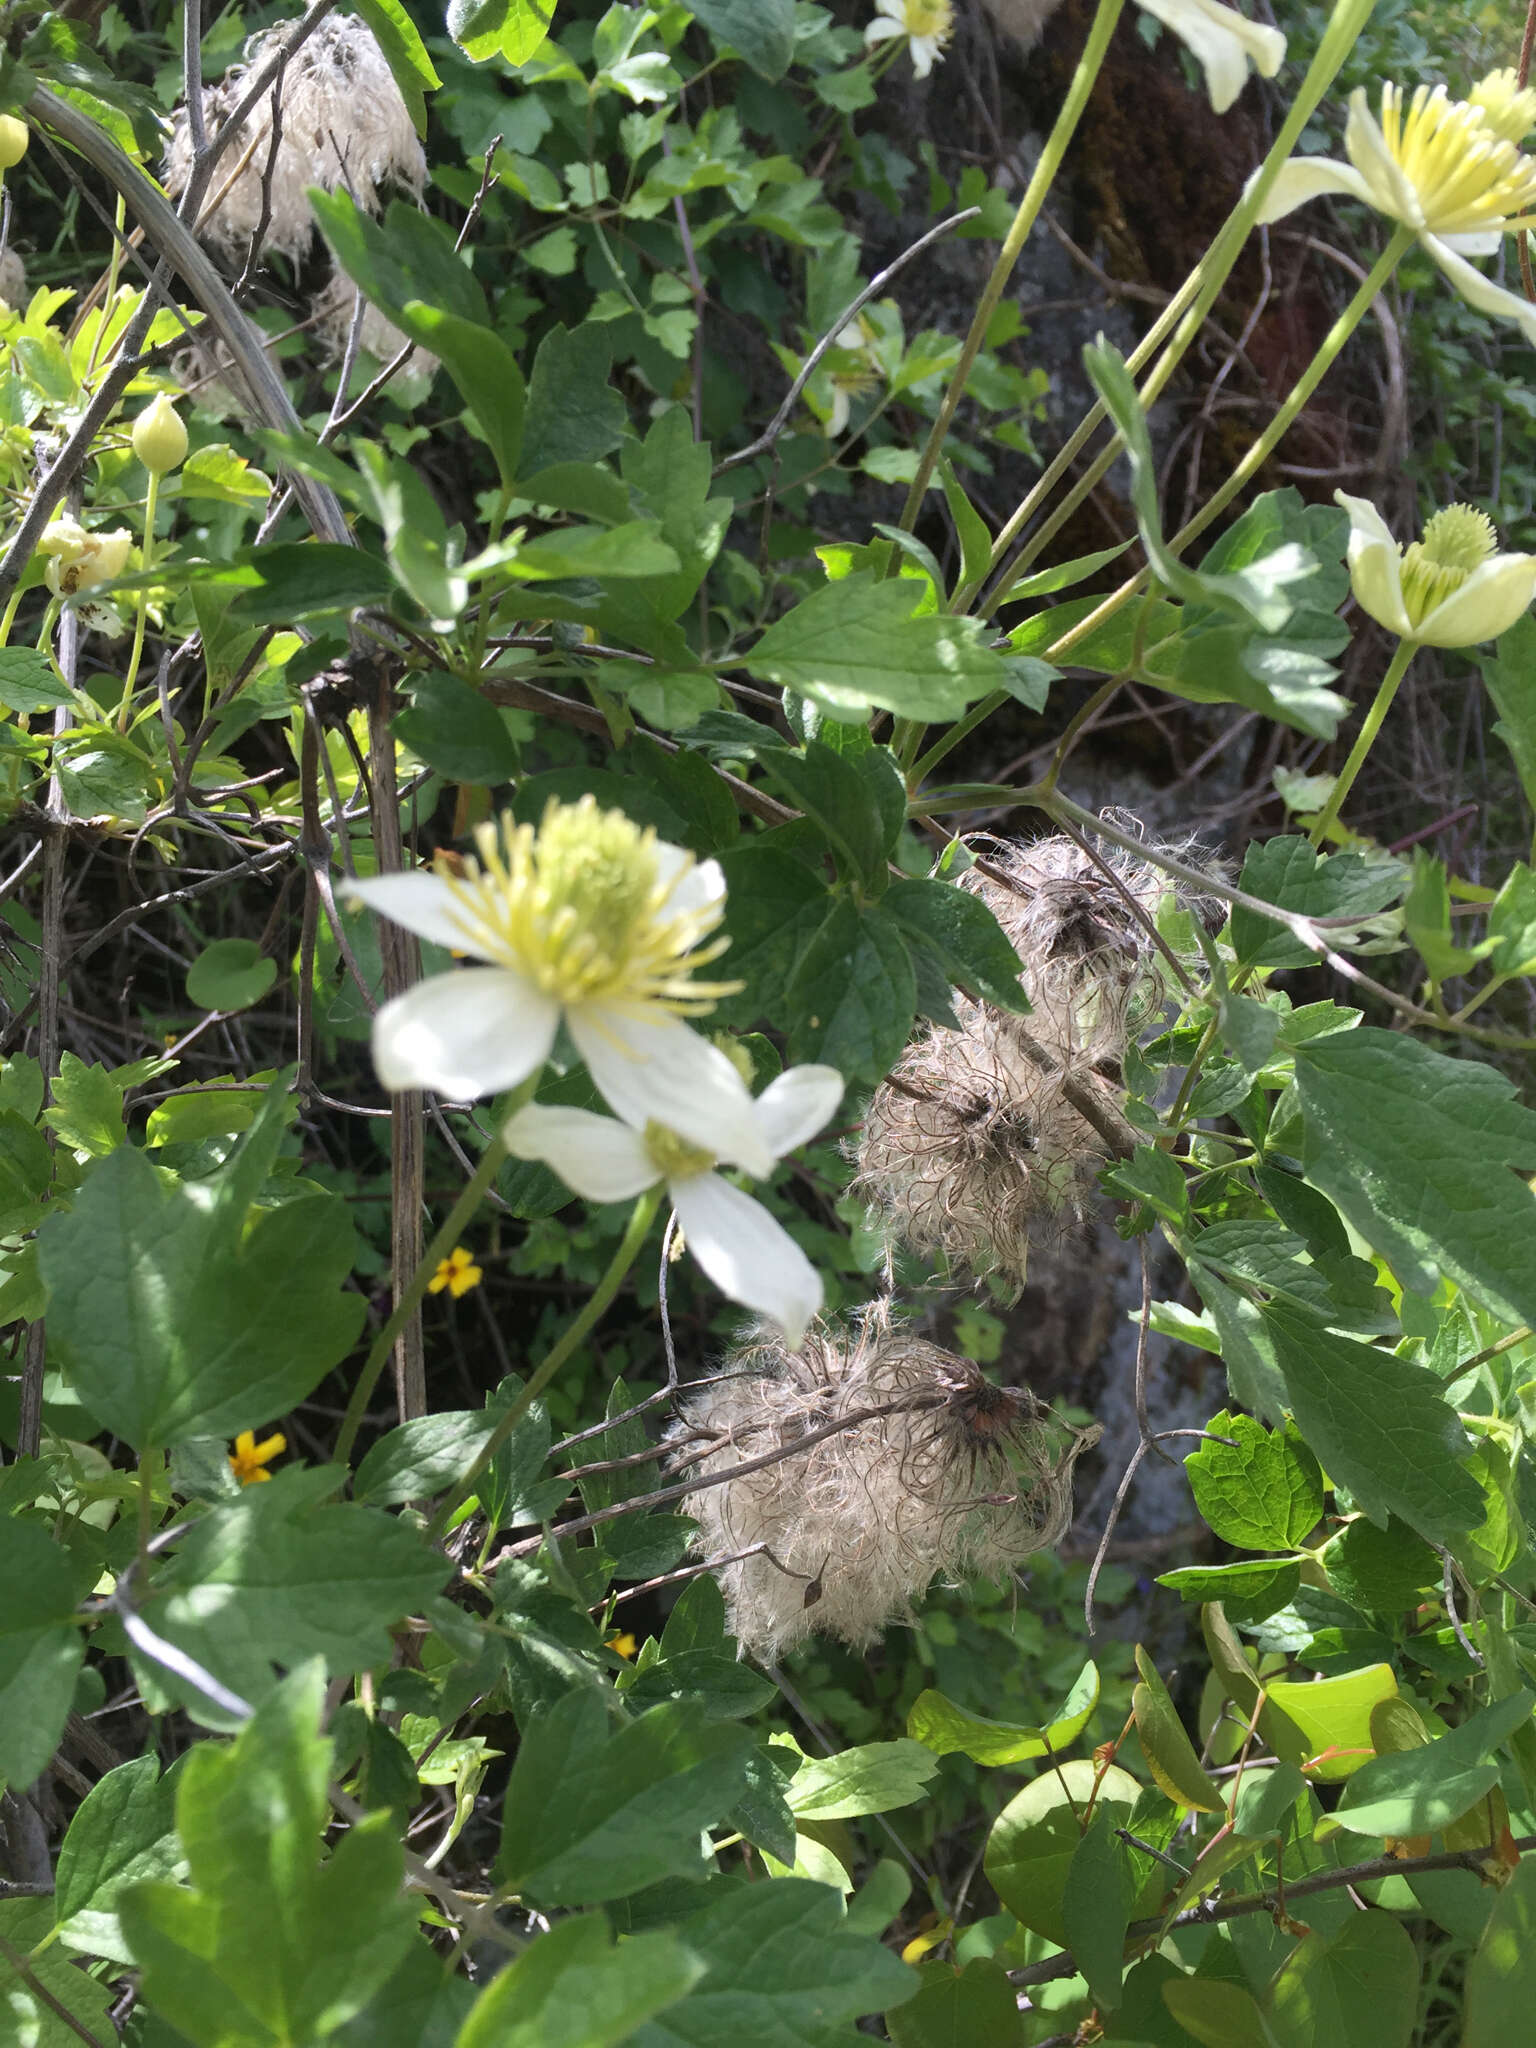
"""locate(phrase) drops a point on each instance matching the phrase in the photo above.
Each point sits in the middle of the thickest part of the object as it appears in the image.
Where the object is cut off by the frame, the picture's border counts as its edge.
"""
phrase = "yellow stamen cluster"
(580, 908)
(934, 18)
(673, 1157)
(1460, 156)
(1456, 541)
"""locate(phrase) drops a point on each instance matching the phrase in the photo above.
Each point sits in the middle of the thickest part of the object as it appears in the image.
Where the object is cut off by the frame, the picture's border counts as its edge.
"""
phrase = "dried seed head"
(968, 1147)
(379, 337)
(948, 1475)
(343, 124)
(13, 280)
(1092, 969)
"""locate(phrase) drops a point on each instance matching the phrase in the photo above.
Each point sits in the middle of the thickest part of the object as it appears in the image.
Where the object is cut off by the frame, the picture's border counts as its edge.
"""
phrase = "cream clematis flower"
(590, 920)
(1450, 170)
(749, 1256)
(80, 559)
(1450, 589)
(927, 25)
(1223, 42)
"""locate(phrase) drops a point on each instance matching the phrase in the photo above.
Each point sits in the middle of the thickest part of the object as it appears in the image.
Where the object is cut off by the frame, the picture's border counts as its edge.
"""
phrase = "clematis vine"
(750, 1257)
(1449, 171)
(591, 921)
(1223, 42)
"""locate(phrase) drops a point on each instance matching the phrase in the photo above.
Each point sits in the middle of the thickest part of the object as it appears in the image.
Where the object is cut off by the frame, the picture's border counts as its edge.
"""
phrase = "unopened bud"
(159, 438)
(13, 141)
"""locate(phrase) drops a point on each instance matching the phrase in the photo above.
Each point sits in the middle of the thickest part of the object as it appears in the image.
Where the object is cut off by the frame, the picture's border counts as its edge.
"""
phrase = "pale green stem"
(1261, 450)
(1057, 144)
(9, 619)
(491, 1161)
(1194, 299)
(1397, 668)
(641, 1217)
(142, 609)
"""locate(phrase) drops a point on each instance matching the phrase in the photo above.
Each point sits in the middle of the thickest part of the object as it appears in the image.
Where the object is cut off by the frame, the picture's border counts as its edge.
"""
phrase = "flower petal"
(600, 1158)
(1309, 177)
(746, 1253)
(651, 1066)
(422, 902)
(1388, 189)
(1485, 242)
(1486, 605)
(1480, 291)
(878, 31)
(1222, 41)
(1375, 566)
(465, 1034)
(796, 1105)
(692, 884)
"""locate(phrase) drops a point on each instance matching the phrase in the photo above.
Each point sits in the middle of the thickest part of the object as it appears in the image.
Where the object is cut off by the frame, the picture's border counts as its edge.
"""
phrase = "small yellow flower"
(458, 1273)
(250, 1457)
(622, 1646)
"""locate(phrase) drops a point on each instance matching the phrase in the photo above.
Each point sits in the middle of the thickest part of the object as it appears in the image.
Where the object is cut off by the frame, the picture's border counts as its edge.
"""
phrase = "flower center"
(581, 909)
(1460, 156)
(1456, 542)
(934, 18)
(673, 1157)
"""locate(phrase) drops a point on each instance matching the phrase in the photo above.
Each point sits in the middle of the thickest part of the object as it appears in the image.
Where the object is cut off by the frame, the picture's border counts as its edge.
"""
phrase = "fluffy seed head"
(968, 1147)
(951, 1477)
(343, 125)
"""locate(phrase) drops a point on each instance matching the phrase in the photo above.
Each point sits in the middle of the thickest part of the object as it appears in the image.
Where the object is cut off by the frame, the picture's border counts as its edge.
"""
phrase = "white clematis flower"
(927, 25)
(1450, 589)
(1450, 170)
(749, 1256)
(591, 920)
(1223, 42)
(79, 559)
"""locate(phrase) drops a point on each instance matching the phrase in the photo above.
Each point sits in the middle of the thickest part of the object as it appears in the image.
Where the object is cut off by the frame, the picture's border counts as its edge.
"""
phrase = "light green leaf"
(1422, 1789)
(29, 681)
(947, 1729)
(404, 52)
(1096, 1909)
(123, 1831)
(573, 1989)
(1360, 1984)
(30, 2020)
(231, 974)
(1264, 1494)
(1035, 1837)
(761, 31)
(87, 1109)
(179, 1313)
(1218, 2013)
(1168, 1750)
(856, 645)
(1509, 675)
(1501, 1983)
(871, 1779)
(1334, 1715)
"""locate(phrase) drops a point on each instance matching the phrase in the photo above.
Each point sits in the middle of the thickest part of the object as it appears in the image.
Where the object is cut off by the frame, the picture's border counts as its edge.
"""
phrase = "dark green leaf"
(1509, 675)
(1096, 1909)
(29, 681)
(1382, 1571)
(231, 974)
(572, 1988)
(760, 31)
(854, 994)
(1421, 1790)
(975, 952)
(454, 730)
(1248, 1592)
(40, 1646)
(828, 787)
(1501, 1983)
(573, 415)
(1293, 875)
(32, 2006)
(855, 645)
(973, 2007)
(275, 585)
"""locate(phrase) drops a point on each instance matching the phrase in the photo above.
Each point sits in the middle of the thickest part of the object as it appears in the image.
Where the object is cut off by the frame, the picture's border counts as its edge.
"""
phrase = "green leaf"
(270, 1577)
(1169, 1752)
(1424, 1154)
(514, 29)
(1334, 1716)
(423, 1455)
(29, 681)
(1096, 1909)
(591, 1815)
(974, 2007)
(453, 729)
(668, 474)
(269, 1942)
(1509, 675)
(573, 415)
(274, 586)
(970, 945)
(1381, 1570)
(1262, 1492)
(634, 549)
(945, 1728)
(855, 645)
(1219, 2014)
(231, 974)
(1266, 1799)
(572, 1988)
(1501, 1982)
(781, 1970)
(40, 1646)
(760, 31)
(1380, 1426)
(407, 260)
(1035, 1837)
(1294, 876)
(1421, 1790)
(971, 529)
(417, 2007)
(853, 995)
(123, 1831)
(1152, 1177)
(1360, 1984)
(1248, 1592)
(871, 1779)
(405, 54)
(829, 787)
(179, 1313)
(218, 473)
(32, 2021)
(87, 1109)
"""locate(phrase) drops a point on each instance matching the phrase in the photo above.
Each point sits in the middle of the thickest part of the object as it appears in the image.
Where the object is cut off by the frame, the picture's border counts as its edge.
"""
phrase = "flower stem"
(1397, 668)
(141, 611)
(491, 1161)
(641, 1217)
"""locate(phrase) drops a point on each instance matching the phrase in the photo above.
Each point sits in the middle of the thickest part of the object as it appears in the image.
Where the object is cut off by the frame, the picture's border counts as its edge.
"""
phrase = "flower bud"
(13, 141)
(159, 438)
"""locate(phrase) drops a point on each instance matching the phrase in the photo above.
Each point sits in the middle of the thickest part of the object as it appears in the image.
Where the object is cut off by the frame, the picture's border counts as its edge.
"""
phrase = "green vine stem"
(1397, 668)
(641, 1217)
(141, 606)
(475, 1190)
